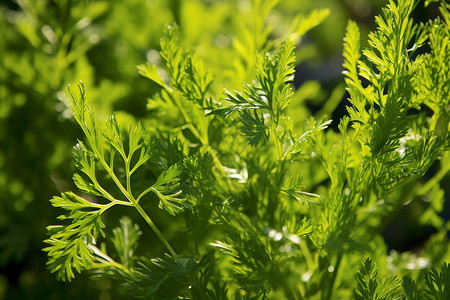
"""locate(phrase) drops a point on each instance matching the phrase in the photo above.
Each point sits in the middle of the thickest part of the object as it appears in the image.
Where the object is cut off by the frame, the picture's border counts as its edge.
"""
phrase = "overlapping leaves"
(369, 285)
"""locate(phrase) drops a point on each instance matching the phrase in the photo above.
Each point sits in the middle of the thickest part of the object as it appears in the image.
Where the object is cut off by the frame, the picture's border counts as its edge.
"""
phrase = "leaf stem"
(434, 180)
(144, 193)
(127, 173)
(106, 194)
(103, 208)
(106, 261)
(155, 229)
(333, 279)
(203, 139)
(277, 143)
(307, 255)
(130, 197)
(117, 181)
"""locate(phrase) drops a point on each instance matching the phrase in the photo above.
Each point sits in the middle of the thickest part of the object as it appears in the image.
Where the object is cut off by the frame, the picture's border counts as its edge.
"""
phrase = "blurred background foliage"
(47, 44)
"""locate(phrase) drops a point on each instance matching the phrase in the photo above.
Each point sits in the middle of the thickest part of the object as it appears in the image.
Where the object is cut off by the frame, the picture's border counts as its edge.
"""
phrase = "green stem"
(106, 194)
(307, 255)
(127, 173)
(144, 193)
(104, 208)
(106, 261)
(203, 139)
(333, 279)
(433, 181)
(117, 181)
(103, 264)
(277, 142)
(155, 229)
(139, 209)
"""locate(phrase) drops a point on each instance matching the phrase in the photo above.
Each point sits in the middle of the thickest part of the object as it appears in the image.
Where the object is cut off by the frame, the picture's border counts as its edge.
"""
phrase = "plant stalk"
(333, 279)
(155, 229)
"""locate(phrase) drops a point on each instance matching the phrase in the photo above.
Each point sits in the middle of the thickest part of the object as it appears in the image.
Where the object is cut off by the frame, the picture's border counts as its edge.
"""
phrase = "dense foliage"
(230, 187)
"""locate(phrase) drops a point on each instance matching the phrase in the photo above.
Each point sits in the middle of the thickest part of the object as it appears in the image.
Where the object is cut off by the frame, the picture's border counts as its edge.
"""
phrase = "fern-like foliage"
(411, 292)
(379, 110)
(369, 285)
(187, 73)
(271, 209)
(71, 246)
(125, 239)
(266, 100)
(163, 278)
(438, 283)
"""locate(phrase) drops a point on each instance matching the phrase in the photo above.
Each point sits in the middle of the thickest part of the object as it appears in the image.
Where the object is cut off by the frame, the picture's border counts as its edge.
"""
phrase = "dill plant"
(252, 205)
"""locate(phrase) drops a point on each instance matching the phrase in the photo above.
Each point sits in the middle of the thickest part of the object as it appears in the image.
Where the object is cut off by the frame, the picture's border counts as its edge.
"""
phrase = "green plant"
(44, 45)
(256, 199)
